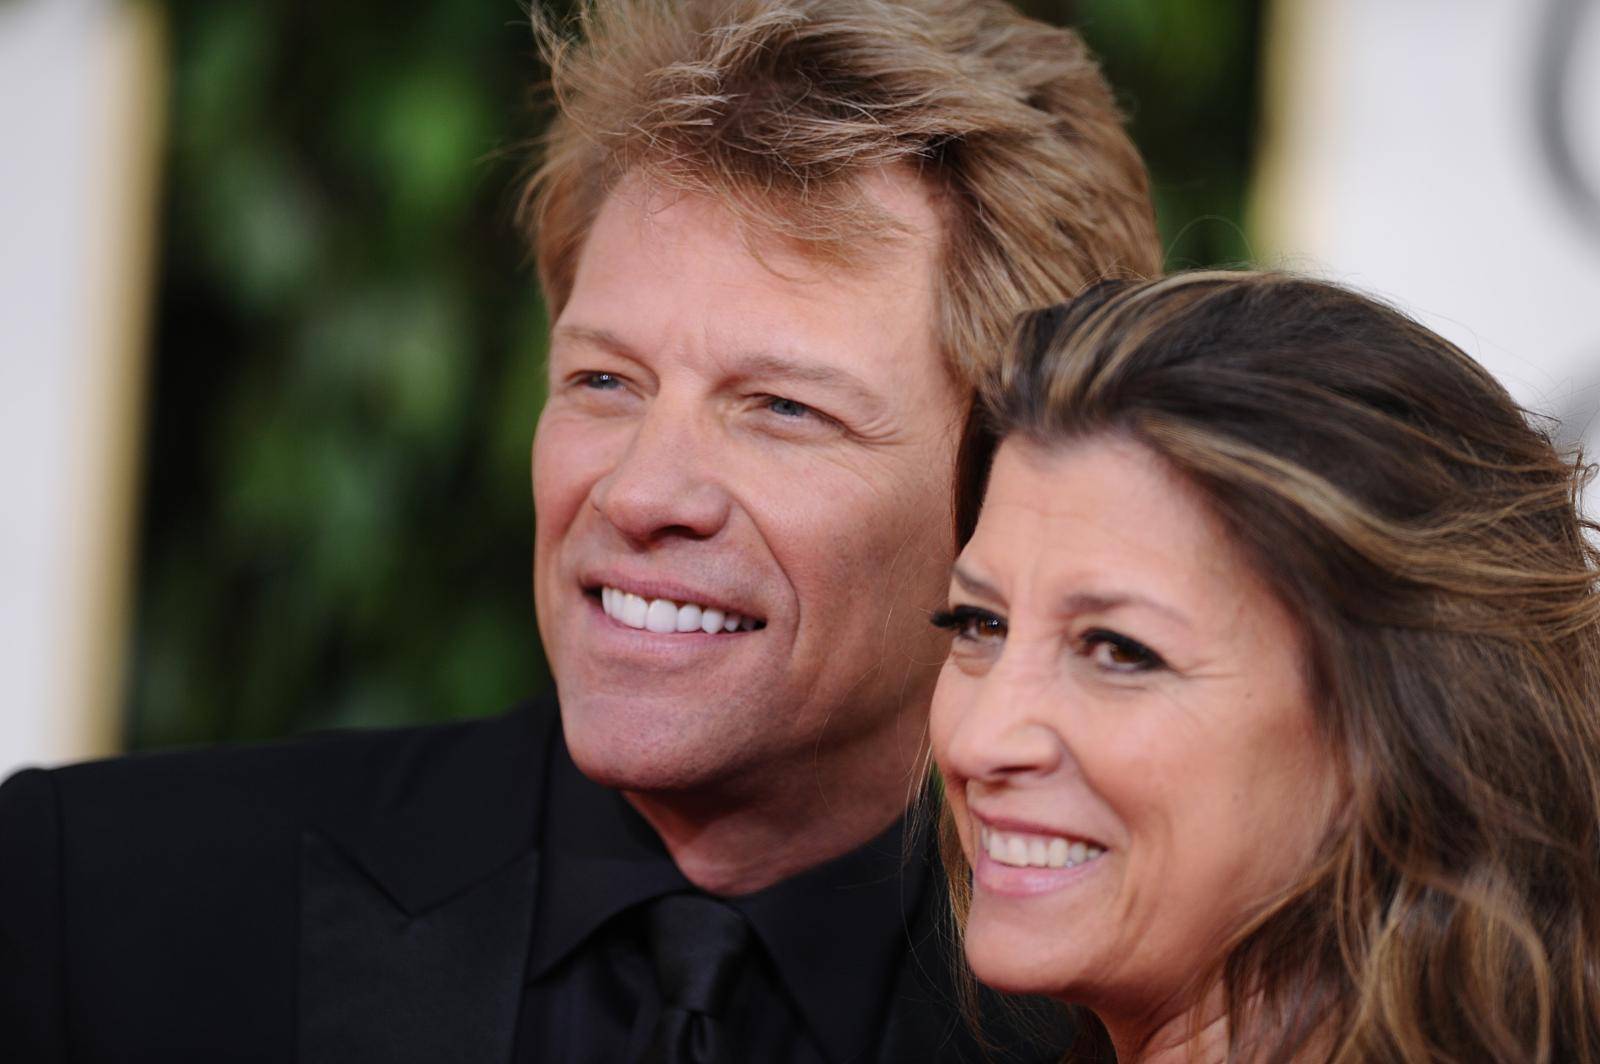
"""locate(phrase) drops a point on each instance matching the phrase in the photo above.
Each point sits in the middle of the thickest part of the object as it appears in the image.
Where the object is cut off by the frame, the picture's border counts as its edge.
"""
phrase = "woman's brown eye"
(970, 624)
(1118, 653)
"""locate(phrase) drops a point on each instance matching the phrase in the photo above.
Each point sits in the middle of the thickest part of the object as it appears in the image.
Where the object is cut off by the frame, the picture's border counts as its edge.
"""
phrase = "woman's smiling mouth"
(1020, 849)
(1023, 860)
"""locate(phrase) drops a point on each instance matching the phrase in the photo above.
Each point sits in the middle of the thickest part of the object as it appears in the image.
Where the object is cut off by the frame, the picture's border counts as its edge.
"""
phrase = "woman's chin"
(1014, 966)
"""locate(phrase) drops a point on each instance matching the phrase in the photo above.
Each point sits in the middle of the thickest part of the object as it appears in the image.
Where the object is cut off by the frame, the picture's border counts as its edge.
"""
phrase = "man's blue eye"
(602, 381)
(787, 407)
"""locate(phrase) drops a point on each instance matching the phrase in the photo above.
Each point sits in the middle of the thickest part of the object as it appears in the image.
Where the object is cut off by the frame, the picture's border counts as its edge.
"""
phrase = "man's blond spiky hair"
(776, 108)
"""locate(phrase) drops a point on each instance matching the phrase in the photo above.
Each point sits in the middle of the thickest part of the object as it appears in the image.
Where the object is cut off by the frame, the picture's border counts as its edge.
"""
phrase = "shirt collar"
(599, 857)
(835, 933)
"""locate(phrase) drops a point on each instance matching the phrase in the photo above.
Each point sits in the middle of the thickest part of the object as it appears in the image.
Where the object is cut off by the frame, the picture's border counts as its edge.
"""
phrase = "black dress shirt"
(827, 941)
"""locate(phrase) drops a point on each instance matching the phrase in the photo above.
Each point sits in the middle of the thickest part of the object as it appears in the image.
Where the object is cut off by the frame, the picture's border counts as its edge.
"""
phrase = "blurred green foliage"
(1186, 72)
(337, 527)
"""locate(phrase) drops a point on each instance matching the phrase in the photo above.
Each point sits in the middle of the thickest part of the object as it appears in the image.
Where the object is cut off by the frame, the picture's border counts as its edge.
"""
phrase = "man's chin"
(631, 745)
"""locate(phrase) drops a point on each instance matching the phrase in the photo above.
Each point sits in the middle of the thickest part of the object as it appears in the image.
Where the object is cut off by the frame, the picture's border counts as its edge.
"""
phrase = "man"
(776, 238)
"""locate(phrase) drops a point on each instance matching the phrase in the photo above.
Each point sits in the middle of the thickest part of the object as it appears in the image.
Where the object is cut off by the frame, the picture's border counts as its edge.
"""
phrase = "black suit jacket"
(347, 898)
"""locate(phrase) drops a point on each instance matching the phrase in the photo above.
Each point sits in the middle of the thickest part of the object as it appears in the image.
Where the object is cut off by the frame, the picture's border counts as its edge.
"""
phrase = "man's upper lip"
(652, 587)
(1001, 822)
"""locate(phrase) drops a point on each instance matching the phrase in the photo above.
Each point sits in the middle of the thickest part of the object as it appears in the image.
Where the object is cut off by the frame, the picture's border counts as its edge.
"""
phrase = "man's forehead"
(783, 231)
(672, 275)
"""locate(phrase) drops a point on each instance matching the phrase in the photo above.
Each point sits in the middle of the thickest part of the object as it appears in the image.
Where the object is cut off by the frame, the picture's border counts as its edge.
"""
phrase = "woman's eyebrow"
(1093, 602)
(1078, 601)
(974, 585)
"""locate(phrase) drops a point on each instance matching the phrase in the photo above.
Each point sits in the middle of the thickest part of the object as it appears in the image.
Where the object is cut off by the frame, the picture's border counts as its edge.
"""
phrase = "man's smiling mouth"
(664, 615)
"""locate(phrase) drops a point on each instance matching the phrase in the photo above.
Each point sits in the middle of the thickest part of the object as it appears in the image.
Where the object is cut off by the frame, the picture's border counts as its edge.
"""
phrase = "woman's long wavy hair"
(1427, 536)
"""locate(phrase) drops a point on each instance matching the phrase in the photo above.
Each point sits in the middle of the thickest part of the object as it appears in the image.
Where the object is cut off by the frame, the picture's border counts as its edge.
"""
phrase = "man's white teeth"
(664, 615)
(1035, 851)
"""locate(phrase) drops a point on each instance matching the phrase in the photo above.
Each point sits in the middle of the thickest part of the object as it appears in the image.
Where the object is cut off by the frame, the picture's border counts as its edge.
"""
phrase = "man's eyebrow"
(760, 365)
(769, 364)
(775, 366)
(591, 337)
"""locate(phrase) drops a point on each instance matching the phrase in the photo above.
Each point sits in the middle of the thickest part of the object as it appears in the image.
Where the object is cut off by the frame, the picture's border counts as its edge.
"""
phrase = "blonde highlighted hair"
(1427, 537)
(777, 109)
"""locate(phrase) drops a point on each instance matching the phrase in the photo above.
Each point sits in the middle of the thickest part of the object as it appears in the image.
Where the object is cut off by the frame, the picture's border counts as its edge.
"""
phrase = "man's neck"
(740, 844)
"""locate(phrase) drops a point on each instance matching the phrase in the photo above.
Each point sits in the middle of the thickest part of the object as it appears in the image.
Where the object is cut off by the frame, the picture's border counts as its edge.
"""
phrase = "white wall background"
(80, 100)
(1404, 155)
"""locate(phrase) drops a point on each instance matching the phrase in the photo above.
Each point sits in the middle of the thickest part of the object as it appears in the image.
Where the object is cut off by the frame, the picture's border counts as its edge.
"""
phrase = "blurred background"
(271, 350)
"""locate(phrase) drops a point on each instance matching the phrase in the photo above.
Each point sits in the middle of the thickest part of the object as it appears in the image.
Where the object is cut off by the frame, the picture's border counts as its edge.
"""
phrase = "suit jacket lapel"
(377, 983)
(417, 899)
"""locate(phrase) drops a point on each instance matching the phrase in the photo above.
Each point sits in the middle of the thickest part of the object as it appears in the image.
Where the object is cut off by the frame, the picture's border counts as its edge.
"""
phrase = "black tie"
(698, 944)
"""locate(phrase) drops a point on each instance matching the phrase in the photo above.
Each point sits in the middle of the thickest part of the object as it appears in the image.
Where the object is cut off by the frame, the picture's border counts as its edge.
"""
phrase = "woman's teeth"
(1035, 851)
(664, 615)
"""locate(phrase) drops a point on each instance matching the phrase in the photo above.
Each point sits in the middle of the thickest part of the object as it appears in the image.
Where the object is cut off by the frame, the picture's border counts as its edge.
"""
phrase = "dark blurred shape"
(348, 359)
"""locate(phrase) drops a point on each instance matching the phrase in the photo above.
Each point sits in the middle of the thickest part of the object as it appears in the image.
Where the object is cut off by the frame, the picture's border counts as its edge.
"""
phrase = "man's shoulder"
(333, 776)
(176, 899)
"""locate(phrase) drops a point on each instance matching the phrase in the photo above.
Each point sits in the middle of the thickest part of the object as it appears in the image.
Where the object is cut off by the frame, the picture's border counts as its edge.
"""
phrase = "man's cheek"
(564, 472)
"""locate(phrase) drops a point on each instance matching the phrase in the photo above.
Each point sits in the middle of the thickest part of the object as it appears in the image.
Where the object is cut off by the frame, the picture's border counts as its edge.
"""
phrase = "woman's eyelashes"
(1106, 649)
(1115, 652)
(970, 623)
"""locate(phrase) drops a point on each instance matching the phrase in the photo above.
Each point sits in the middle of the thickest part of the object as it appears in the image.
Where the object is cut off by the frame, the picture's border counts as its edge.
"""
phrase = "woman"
(1271, 725)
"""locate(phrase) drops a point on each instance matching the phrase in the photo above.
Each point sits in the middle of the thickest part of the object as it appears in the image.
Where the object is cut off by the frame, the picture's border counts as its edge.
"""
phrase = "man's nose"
(667, 482)
(1008, 730)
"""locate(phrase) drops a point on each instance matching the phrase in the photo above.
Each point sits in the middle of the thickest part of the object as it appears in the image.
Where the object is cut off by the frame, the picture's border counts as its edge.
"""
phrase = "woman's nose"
(667, 482)
(1002, 730)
